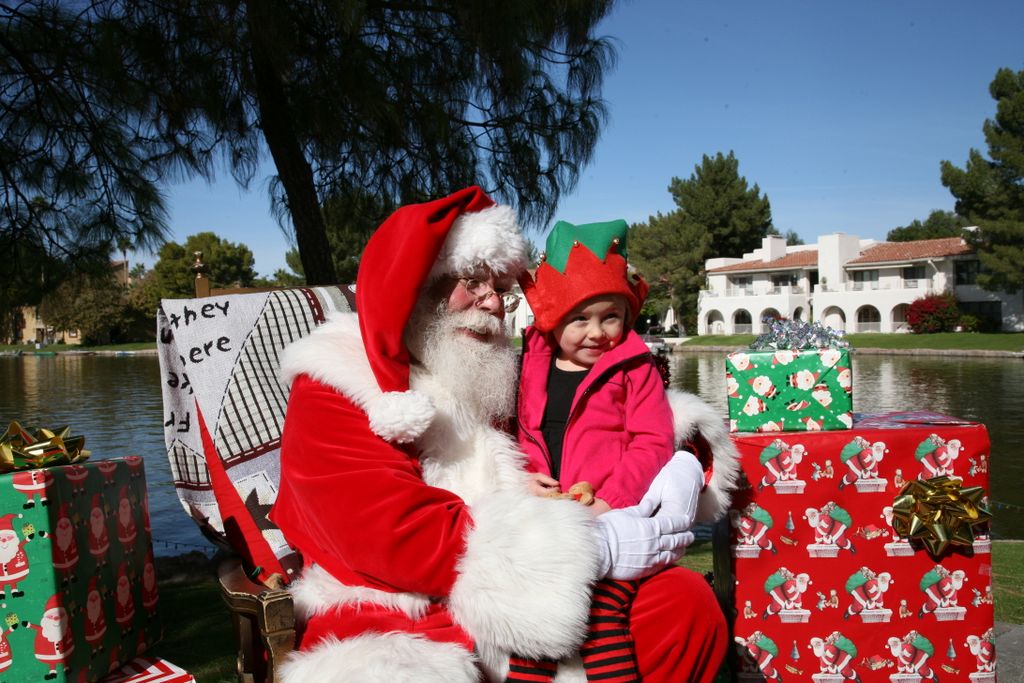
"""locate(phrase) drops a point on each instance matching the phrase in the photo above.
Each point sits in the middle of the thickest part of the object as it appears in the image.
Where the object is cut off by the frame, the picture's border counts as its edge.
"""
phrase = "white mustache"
(474, 320)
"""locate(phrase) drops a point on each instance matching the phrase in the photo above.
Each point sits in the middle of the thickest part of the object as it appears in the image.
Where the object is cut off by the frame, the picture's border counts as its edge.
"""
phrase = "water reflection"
(990, 390)
(115, 403)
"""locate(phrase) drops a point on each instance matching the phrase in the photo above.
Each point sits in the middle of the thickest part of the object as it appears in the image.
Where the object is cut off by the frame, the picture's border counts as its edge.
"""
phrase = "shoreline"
(978, 353)
(674, 348)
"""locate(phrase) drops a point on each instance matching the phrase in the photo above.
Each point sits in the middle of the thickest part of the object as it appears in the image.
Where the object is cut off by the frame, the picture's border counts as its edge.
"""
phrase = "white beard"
(472, 383)
(8, 550)
(65, 534)
(52, 630)
(477, 376)
(93, 607)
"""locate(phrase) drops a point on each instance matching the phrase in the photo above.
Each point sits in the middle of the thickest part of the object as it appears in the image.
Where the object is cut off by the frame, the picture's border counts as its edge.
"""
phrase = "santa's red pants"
(679, 632)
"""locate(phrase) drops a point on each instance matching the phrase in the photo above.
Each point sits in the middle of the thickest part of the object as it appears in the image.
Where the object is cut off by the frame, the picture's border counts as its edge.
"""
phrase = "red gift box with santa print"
(823, 587)
(78, 594)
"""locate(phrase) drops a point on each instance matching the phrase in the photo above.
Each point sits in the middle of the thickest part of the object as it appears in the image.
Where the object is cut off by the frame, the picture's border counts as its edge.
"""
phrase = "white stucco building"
(846, 283)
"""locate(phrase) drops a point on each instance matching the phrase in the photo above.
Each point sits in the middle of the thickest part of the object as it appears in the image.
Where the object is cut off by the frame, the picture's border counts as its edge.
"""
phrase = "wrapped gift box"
(824, 589)
(787, 390)
(78, 593)
(149, 670)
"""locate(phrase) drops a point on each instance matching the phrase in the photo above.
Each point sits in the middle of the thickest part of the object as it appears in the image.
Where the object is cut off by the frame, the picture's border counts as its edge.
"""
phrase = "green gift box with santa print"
(789, 390)
(78, 592)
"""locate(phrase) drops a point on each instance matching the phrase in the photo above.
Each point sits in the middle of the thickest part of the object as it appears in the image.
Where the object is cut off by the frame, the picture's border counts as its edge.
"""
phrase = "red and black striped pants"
(607, 652)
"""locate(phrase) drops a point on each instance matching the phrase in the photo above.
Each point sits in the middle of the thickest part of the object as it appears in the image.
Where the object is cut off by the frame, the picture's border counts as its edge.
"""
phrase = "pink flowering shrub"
(933, 313)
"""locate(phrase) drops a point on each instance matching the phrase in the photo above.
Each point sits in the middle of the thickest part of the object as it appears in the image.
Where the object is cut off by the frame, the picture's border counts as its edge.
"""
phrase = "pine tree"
(401, 101)
(718, 214)
(990, 192)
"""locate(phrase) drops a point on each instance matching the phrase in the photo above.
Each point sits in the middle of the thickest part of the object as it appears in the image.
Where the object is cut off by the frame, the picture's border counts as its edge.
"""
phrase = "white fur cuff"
(400, 416)
(692, 415)
(381, 658)
(524, 582)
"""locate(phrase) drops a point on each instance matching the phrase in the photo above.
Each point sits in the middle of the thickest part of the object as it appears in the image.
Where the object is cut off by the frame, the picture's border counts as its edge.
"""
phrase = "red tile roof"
(887, 252)
(796, 259)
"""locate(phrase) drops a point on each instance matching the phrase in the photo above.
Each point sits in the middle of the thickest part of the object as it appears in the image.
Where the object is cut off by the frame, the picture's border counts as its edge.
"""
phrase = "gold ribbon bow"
(20, 450)
(939, 512)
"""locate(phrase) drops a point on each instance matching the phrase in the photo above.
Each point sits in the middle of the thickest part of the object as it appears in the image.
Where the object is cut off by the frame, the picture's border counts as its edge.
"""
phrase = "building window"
(966, 272)
(742, 284)
(784, 279)
(988, 313)
(865, 279)
(914, 273)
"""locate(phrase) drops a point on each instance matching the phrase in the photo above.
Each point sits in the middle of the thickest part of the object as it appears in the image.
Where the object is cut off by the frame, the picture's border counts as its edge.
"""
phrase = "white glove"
(676, 488)
(632, 544)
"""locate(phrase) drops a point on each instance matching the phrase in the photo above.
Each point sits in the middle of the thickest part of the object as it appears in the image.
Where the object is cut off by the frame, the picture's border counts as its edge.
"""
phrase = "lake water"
(989, 390)
(115, 403)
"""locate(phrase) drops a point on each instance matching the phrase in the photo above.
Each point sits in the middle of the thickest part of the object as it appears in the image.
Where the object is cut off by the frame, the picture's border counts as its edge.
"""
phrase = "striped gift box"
(149, 670)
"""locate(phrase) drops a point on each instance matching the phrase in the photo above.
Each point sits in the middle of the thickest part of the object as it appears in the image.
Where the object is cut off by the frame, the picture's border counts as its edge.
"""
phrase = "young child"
(592, 408)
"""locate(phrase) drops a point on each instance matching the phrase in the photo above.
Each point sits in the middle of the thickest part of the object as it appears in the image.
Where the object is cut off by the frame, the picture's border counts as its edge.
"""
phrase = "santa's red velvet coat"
(429, 550)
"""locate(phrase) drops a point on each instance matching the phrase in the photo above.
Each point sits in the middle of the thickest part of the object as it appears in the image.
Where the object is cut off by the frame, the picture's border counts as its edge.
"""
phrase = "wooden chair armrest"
(258, 612)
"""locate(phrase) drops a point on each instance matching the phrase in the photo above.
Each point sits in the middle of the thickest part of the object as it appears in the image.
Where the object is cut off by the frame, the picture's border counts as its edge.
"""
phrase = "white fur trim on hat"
(381, 658)
(692, 415)
(333, 354)
(489, 238)
(400, 416)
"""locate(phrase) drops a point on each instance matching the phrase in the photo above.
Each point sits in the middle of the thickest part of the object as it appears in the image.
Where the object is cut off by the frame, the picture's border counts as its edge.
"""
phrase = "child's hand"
(599, 507)
(541, 484)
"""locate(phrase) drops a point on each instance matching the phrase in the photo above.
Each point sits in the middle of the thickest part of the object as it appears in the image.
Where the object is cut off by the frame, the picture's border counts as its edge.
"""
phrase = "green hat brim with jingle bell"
(581, 262)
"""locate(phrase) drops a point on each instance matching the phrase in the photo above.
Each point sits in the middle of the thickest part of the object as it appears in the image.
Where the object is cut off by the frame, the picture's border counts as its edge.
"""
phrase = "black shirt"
(562, 385)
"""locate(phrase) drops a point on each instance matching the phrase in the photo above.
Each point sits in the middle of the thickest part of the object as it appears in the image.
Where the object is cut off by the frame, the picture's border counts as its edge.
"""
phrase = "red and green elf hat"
(579, 263)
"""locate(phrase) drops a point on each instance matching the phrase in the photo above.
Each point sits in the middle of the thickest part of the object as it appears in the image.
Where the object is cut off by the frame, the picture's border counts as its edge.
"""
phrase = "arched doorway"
(834, 317)
(715, 323)
(868, 319)
(741, 322)
(899, 318)
(798, 313)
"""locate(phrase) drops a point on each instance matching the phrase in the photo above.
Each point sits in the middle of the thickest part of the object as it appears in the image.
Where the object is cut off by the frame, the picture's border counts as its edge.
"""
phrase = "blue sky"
(839, 111)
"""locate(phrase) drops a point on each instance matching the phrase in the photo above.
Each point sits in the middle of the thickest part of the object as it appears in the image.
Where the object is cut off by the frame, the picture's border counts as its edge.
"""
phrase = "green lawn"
(198, 635)
(1001, 341)
(61, 348)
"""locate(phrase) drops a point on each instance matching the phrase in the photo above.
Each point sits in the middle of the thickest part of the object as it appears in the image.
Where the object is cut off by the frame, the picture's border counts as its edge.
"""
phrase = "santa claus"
(150, 595)
(99, 539)
(124, 604)
(6, 658)
(65, 546)
(76, 476)
(95, 619)
(435, 563)
(54, 641)
(125, 518)
(13, 560)
(108, 468)
(32, 483)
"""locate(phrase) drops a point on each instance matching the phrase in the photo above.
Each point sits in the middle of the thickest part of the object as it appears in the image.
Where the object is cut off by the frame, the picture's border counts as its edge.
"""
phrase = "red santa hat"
(6, 523)
(53, 603)
(458, 235)
(92, 585)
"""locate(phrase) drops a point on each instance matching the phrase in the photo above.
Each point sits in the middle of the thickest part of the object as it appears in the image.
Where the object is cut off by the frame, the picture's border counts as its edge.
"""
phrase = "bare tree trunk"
(292, 167)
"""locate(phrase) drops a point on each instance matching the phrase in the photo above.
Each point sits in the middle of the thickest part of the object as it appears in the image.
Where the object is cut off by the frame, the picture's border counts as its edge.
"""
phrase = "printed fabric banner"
(224, 407)
(825, 589)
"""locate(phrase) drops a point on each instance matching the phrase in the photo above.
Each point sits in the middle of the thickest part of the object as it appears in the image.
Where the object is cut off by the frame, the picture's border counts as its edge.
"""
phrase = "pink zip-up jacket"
(620, 429)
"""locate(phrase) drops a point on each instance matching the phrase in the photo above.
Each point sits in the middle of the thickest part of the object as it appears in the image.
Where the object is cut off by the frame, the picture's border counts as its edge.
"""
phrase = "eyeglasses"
(482, 291)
